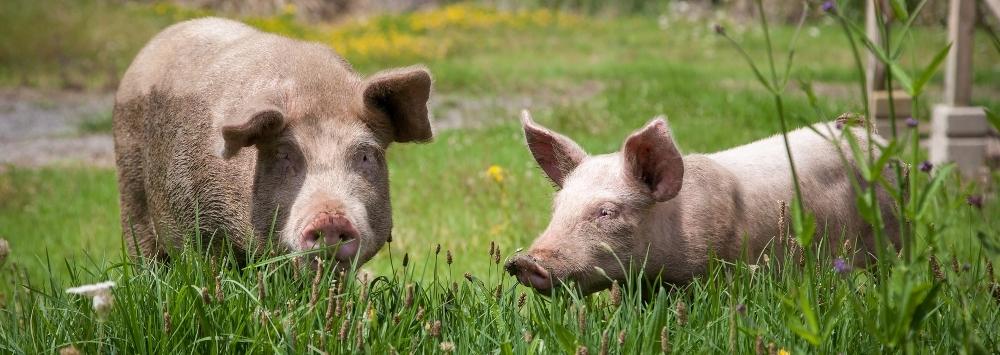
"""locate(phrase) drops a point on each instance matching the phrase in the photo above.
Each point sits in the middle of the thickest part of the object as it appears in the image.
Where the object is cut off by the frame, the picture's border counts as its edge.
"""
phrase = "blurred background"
(593, 69)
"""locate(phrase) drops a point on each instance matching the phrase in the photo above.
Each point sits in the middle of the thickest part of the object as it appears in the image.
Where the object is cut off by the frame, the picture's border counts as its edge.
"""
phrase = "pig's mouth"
(531, 274)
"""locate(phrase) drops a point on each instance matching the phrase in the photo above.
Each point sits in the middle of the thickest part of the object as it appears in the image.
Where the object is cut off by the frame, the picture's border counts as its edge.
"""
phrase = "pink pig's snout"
(529, 273)
(330, 229)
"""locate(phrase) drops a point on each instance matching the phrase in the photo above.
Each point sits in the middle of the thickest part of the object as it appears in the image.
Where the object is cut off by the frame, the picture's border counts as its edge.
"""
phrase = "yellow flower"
(495, 172)
(783, 352)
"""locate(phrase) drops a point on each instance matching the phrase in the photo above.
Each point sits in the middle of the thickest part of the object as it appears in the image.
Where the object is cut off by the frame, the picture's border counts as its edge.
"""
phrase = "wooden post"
(875, 72)
(959, 132)
(958, 72)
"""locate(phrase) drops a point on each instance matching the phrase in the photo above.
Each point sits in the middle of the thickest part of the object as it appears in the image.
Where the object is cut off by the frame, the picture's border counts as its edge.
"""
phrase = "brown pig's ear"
(260, 125)
(652, 159)
(556, 154)
(402, 95)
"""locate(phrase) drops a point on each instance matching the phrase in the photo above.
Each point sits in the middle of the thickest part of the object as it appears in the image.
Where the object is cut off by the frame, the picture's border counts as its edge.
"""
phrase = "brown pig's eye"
(607, 211)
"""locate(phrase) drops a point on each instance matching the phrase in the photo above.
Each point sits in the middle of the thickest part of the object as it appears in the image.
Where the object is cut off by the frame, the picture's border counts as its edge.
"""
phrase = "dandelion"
(665, 340)
(616, 294)
(446, 346)
(582, 350)
(69, 350)
(496, 173)
(681, 313)
(912, 122)
(521, 300)
(975, 201)
(841, 266)
(621, 338)
(782, 351)
(448, 257)
(100, 294)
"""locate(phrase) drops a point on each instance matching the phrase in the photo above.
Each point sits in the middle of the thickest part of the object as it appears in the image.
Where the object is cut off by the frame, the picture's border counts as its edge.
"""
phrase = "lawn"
(594, 78)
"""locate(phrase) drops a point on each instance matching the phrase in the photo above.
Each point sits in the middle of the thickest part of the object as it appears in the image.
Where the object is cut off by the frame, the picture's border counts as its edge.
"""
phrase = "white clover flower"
(100, 294)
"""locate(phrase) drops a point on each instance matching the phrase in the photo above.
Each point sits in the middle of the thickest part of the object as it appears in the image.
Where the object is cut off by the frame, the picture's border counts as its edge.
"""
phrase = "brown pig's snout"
(328, 229)
(529, 273)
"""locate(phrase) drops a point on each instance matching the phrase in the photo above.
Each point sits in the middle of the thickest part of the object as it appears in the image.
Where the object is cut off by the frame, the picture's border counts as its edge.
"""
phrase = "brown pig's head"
(320, 178)
(601, 208)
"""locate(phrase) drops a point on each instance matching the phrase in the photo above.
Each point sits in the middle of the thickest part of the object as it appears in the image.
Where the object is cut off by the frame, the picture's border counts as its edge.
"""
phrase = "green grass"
(62, 223)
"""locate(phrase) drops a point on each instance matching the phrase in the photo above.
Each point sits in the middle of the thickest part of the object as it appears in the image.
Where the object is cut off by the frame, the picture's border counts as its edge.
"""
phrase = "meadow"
(439, 285)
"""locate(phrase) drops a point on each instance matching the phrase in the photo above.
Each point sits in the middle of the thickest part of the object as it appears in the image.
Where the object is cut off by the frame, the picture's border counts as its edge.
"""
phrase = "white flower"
(100, 294)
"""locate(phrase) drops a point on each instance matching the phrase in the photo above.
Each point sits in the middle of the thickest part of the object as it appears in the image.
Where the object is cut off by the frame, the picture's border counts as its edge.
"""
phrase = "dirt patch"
(52, 128)
(43, 128)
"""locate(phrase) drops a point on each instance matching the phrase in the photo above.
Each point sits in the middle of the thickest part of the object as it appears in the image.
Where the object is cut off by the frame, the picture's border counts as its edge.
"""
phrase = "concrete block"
(879, 104)
(960, 121)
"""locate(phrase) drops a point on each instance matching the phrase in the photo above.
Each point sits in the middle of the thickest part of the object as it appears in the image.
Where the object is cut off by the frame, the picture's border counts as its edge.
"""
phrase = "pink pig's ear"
(555, 153)
(402, 95)
(256, 125)
(653, 160)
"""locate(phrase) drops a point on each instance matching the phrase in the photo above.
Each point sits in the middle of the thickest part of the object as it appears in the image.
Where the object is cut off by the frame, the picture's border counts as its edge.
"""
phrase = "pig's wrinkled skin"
(219, 123)
(648, 200)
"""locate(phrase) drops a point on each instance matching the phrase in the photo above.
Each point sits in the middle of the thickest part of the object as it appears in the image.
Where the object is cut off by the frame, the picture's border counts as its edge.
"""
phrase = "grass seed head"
(219, 296)
(521, 300)
(4, 252)
(446, 347)
(989, 271)
(448, 258)
(616, 294)
(296, 266)
(420, 313)
(436, 329)
(406, 260)
(167, 326)
(582, 350)
(682, 315)
(342, 334)
(581, 319)
(527, 336)
(261, 291)
(665, 340)
(758, 345)
(408, 301)
(206, 297)
(935, 268)
(496, 256)
(604, 343)
(771, 350)
(437, 249)
(621, 337)
(69, 350)
(314, 295)
(954, 264)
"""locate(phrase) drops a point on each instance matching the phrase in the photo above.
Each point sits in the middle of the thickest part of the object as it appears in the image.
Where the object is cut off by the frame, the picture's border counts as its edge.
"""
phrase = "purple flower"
(926, 166)
(840, 266)
(975, 201)
(719, 29)
(829, 6)
(911, 122)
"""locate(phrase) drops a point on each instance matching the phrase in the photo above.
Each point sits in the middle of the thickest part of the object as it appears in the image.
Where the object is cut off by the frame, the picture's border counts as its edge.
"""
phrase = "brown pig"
(649, 206)
(225, 132)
